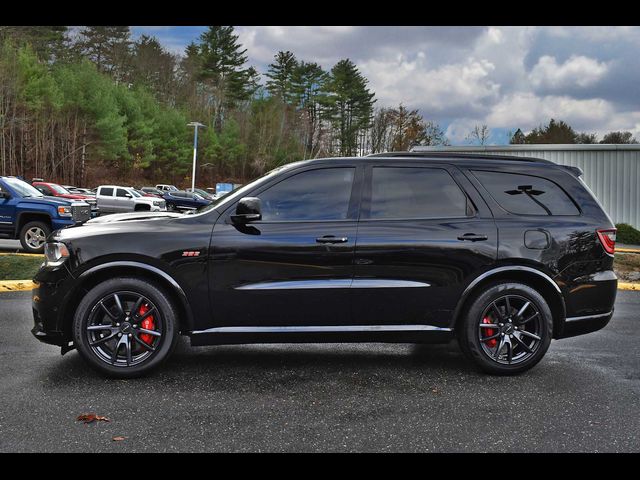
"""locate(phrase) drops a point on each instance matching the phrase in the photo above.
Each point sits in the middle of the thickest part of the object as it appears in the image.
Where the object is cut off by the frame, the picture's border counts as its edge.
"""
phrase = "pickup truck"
(55, 190)
(28, 215)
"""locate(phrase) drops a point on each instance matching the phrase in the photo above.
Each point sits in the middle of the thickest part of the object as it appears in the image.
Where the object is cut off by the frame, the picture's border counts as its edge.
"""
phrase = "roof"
(527, 147)
(456, 155)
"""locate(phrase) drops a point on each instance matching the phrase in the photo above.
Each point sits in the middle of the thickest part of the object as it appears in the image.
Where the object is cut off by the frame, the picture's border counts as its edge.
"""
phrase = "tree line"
(98, 106)
(94, 105)
(558, 131)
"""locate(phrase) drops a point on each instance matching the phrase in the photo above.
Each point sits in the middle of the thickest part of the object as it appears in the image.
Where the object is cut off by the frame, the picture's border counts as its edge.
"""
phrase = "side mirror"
(4, 194)
(128, 195)
(248, 210)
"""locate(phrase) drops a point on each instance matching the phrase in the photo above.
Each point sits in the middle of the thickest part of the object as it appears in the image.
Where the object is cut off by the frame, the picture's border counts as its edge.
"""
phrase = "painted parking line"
(627, 250)
(21, 254)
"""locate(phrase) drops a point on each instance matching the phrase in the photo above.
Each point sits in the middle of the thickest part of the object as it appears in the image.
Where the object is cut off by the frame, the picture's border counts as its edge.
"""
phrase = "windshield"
(238, 192)
(22, 188)
(134, 193)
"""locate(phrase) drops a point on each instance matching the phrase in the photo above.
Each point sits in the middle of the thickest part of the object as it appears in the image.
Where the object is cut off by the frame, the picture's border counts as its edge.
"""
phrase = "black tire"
(90, 310)
(488, 354)
(27, 239)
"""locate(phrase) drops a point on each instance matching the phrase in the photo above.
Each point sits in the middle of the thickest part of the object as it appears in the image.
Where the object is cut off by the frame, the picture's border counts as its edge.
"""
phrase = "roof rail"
(437, 155)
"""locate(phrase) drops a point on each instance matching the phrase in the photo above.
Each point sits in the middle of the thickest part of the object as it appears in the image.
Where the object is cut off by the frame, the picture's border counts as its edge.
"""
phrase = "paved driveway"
(584, 396)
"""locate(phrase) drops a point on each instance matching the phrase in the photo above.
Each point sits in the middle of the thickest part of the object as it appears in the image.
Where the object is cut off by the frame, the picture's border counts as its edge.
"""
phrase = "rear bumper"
(580, 325)
(589, 303)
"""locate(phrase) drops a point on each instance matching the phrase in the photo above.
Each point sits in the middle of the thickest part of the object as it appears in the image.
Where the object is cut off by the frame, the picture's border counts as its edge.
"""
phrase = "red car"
(55, 190)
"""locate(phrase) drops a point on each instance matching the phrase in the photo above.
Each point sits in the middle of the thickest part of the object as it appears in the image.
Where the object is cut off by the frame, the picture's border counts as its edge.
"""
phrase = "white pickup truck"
(116, 199)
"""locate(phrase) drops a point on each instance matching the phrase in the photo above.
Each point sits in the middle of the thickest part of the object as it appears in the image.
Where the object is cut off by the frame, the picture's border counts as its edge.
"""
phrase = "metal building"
(611, 171)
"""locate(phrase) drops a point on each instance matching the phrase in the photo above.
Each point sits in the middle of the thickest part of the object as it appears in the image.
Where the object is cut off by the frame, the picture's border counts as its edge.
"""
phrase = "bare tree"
(479, 134)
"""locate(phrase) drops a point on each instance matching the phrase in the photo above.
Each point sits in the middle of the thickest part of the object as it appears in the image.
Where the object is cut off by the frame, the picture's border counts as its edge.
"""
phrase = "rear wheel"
(33, 236)
(125, 327)
(507, 329)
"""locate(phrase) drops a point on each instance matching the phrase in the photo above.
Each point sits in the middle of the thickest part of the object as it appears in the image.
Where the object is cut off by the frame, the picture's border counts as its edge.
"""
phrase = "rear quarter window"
(526, 194)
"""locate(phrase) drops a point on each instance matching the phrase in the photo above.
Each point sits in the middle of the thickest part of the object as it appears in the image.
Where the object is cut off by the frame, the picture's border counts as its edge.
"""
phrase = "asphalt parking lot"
(583, 397)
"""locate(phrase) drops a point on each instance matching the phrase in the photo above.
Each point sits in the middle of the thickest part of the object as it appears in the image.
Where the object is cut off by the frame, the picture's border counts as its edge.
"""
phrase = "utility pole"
(195, 152)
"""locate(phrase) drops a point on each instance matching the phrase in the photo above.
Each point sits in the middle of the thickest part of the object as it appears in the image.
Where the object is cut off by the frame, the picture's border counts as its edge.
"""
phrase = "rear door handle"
(472, 237)
(332, 239)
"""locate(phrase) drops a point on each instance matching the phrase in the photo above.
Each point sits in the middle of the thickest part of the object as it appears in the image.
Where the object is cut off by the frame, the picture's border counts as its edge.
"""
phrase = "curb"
(16, 285)
(627, 250)
(7, 254)
(628, 286)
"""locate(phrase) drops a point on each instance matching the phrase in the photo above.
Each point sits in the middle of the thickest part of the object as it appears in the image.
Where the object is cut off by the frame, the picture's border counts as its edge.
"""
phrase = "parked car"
(153, 191)
(203, 193)
(29, 216)
(82, 191)
(55, 190)
(145, 194)
(167, 188)
(503, 253)
(182, 201)
(114, 199)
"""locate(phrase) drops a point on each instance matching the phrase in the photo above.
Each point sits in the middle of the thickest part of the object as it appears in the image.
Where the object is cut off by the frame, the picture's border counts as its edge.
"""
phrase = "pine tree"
(222, 61)
(109, 47)
(281, 75)
(517, 138)
(348, 105)
(309, 81)
(48, 42)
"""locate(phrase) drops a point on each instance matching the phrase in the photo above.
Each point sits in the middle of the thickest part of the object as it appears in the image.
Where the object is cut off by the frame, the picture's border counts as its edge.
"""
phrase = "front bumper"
(52, 286)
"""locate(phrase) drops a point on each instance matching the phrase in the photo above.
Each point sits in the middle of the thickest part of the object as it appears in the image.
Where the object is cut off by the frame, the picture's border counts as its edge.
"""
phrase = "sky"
(504, 77)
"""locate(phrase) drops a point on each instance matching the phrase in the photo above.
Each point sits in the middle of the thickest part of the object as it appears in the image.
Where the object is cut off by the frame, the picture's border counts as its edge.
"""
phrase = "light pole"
(195, 152)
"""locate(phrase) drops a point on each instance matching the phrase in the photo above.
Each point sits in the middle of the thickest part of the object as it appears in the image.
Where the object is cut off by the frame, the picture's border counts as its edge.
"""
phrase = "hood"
(128, 217)
(74, 196)
(46, 200)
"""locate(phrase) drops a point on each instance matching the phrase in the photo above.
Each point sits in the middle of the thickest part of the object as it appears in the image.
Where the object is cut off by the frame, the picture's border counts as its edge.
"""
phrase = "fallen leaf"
(91, 417)
(118, 439)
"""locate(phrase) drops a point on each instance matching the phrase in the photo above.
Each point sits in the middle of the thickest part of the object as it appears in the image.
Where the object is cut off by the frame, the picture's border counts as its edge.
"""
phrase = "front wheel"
(125, 327)
(507, 328)
(33, 236)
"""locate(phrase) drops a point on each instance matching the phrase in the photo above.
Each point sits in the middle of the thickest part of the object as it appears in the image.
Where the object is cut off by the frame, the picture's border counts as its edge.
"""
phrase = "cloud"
(577, 71)
(506, 77)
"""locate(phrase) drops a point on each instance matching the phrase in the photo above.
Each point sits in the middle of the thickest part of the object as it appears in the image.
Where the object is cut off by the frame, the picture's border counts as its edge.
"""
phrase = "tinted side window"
(312, 195)
(121, 193)
(526, 194)
(415, 193)
(108, 191)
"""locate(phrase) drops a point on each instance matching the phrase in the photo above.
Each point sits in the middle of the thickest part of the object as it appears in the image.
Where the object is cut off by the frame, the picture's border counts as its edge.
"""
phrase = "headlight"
(55, 254)
(64, 211)
(157, 204)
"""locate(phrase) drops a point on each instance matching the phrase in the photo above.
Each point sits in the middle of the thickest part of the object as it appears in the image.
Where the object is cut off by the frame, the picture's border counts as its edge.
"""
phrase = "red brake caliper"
(489, 331)
(147, 324)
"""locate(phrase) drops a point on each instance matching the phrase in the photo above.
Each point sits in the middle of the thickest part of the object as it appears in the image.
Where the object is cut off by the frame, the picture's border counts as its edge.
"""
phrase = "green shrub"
(627, 234)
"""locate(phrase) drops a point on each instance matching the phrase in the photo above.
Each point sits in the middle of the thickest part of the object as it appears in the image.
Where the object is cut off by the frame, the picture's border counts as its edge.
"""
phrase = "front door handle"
(472, 237)
(332, 239)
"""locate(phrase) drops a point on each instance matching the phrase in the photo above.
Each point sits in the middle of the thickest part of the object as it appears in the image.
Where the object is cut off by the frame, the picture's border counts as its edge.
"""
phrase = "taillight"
(608, 239)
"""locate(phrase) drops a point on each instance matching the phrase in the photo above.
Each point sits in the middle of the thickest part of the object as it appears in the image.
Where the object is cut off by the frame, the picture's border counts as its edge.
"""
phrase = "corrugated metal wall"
(611, 171)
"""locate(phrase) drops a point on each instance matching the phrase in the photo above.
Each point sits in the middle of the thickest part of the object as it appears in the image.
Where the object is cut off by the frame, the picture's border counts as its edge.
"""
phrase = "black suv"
(504, 253)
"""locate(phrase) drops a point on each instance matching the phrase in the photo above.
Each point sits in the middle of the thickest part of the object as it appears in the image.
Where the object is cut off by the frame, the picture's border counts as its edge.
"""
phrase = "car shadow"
(312, 362)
